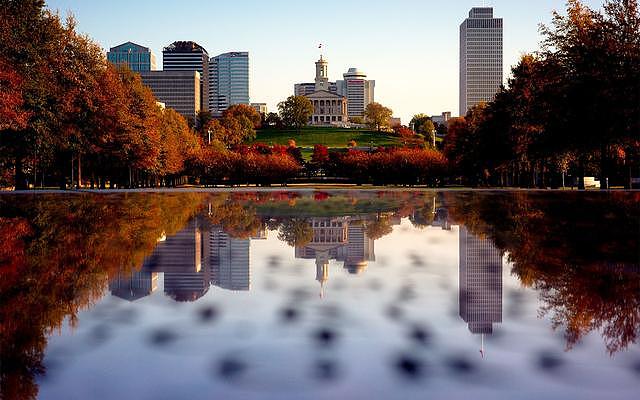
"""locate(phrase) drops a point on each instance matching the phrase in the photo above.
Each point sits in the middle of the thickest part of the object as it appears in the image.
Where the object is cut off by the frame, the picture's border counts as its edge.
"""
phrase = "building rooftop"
(481, 12)
(355, 72)
(184, 47)
(129, 45)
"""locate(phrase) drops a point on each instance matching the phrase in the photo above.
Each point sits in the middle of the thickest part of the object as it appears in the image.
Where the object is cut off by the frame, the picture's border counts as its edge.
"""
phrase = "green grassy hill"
(330, 137)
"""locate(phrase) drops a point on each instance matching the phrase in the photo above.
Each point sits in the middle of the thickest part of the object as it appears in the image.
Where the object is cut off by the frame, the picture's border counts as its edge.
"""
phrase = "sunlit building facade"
(228, 81)
(137, 58)
(481, 57)
(358, 90)
(189, 56)
(179, 90)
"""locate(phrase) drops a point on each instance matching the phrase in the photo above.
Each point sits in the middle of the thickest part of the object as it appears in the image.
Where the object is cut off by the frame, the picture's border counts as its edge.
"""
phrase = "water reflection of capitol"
(342, 239)
(196, 258)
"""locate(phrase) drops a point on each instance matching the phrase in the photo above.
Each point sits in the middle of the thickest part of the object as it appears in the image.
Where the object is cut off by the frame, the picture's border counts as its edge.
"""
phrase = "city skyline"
(409, 81)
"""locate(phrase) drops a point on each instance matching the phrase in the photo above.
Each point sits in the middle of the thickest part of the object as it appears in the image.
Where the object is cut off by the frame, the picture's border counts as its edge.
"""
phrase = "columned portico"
(328, 108)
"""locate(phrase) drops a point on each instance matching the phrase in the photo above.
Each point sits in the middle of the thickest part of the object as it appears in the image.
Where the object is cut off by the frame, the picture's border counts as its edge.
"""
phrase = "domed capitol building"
(334, 103)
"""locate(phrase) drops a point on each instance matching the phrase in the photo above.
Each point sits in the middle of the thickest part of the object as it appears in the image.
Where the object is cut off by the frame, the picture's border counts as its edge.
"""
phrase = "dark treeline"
(571, 108)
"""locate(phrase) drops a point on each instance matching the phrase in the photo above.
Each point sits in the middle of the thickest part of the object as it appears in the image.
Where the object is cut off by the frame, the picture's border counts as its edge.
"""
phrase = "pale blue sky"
(410, 47)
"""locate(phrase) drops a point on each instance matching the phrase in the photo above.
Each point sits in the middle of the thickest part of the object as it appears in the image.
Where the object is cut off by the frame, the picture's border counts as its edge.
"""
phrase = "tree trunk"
(581, 175)
(604, 183)
(79, 171)
(20, 177)
(72, 171)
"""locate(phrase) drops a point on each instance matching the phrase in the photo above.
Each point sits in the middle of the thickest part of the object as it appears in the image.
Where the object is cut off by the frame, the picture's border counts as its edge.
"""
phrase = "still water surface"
(320, 295)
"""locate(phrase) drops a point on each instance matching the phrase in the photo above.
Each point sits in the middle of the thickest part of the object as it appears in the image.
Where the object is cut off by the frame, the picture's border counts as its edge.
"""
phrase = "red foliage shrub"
(390, 166)
(259, 164)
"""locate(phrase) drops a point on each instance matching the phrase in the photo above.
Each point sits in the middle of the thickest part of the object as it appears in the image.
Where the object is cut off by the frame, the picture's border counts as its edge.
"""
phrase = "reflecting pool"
(320, 295)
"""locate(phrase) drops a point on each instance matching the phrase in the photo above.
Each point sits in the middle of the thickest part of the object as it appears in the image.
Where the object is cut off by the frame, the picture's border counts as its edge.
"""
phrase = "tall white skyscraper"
(228, 81)
(481, 65)
(358, 90)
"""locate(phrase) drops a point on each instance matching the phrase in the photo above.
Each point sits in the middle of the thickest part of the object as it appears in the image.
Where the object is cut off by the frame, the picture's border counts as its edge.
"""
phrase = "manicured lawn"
(330, 137)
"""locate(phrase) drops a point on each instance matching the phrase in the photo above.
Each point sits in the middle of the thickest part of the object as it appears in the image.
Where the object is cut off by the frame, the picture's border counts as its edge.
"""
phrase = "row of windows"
(322, 118)
(327, 102)
(482, 50)
(325, 224)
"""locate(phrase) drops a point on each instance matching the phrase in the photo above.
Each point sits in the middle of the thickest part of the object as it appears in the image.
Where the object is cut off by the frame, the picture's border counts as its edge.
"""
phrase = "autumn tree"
(296, 111)
(417, 121)
(378, 227)
(241, 121)
(244, 111)
(12, 113)
(377, 116)
(31, 38)
(295, 232)
(202, 119)
(273, 120)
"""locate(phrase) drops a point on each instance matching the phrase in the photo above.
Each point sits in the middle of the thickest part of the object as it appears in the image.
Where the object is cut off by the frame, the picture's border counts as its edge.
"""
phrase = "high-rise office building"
(358, 90)
(189, 56)
(137, 58)
(228, 81)
(179, 90)
(480, 290)
(481, 65)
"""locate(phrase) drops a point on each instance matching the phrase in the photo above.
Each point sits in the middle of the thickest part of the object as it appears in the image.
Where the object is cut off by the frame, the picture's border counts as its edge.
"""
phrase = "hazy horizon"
(410, 48)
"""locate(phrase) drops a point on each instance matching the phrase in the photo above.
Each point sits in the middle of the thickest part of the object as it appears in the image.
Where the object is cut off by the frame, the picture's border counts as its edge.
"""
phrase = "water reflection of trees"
(57, 255)
(579, 251)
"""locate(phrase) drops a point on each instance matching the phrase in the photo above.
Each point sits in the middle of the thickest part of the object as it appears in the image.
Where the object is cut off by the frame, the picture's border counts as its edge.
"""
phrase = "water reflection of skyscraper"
(191, 261)
(180, 258)
(480, 291)
(228, 260)
(135, 285)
